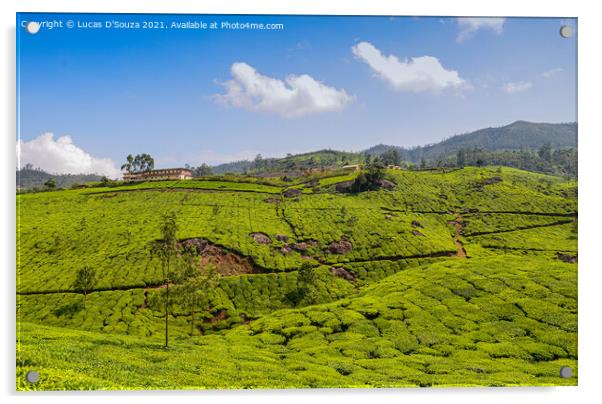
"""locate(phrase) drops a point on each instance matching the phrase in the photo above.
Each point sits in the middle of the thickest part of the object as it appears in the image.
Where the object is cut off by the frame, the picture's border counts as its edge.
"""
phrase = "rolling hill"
(519, 135)
(454, 277)
(453, 323)
(28, 178)
(316, 159)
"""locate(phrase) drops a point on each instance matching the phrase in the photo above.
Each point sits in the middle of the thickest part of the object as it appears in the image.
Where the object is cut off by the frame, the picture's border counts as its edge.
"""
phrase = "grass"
(452, 323)
(556, 238)
(410, 313)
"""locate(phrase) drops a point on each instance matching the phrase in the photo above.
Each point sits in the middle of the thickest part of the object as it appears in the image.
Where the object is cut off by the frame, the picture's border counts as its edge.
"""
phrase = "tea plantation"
(457, 278)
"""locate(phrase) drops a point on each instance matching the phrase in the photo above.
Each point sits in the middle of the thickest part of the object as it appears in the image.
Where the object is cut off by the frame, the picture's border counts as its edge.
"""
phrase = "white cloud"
(419, 74)
(552, 72)
(517, 87)
(469, 25)
(294, 97)
(61, 156)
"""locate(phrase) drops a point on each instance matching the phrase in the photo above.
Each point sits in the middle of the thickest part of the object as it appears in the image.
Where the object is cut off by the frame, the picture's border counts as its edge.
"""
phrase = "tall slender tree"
(167, 250)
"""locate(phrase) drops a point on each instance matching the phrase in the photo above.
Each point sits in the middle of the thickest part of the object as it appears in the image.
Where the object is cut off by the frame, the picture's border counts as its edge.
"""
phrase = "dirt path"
(458, 225)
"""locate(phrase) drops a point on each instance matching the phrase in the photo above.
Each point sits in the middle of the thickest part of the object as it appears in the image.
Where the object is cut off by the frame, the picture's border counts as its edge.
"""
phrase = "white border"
(590, 130)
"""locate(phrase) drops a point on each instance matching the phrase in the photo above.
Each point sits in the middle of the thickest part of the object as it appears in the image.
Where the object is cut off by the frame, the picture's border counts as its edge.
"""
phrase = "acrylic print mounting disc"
(226, 202)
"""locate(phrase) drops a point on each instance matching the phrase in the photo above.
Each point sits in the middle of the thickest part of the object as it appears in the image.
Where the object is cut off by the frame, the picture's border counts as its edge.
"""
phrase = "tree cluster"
(181, 269)
(370, 179)
(139, 163)
(391, 157)
(201, 171)
(545, 160)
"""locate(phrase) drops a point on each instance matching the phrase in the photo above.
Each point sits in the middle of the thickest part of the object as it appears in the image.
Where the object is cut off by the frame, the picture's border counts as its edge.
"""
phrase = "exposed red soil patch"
(340, 247)
(458, 224)
(219, 316)
(226, 263)
(344, 186)
(285, 250)
(568, 258)
(261, 238)
(282, 237)
(343, 273)
(304, 245)
(292, 192)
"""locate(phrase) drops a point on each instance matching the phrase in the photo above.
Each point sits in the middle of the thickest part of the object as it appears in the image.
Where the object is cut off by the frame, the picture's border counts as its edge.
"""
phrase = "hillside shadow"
(68, 309)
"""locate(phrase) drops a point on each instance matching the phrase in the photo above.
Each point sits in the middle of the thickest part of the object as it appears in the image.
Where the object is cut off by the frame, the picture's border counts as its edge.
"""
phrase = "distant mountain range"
(520, 135)
(28, 178)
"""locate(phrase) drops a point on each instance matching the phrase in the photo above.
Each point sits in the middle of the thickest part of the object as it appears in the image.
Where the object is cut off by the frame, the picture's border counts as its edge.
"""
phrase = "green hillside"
(490, 321)
(303, 161)
(28, 178)
(519, 135)
(515, 145)
(456, 277)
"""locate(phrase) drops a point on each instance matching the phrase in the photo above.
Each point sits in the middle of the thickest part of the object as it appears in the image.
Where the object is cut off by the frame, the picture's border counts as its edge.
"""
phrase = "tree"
(545, 152)
(258, 162)
(147, 163)
(461, 158)
(129, 165)
(50, 184)
(104, 181)
(85, 281)
(195, 284)
(375, 173)
(390, 157)
(306, 280)
(202, 170)
(371, 179)
(139, 163)
(166, 250)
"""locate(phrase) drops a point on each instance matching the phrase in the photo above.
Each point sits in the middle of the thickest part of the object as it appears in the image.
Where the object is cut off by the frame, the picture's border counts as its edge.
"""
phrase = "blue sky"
(193, 96)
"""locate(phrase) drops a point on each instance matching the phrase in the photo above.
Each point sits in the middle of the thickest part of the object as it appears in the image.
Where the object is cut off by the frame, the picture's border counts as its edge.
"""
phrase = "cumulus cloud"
(61, 156)
(517, 87)
(294, 96)
(470, 25)
(418, 74)
(552, 72)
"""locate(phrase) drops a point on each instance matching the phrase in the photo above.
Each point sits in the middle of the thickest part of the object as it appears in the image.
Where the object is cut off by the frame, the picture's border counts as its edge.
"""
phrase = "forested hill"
(28, 178)
(516, 145)
(319, 158)
(519, 135)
